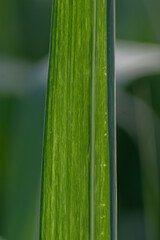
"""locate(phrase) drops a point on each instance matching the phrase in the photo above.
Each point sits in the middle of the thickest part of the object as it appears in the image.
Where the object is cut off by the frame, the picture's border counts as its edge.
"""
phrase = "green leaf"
(76, 196)
(2, 238)
(21, 126)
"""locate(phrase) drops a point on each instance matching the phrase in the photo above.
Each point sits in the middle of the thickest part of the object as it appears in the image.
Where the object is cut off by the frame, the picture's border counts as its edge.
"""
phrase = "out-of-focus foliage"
(24, 34)
(24, 28)
(21, 143)
(138, 20)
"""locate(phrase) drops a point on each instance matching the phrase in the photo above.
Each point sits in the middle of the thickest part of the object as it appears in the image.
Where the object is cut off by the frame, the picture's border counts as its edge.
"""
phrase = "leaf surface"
(75, 180)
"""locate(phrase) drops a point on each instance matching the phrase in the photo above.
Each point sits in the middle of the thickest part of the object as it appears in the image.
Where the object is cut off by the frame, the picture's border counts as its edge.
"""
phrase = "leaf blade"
(76, 181)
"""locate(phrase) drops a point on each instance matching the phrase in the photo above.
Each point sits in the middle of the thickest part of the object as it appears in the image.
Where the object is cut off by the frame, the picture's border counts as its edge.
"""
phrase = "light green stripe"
(92, 186)
(102, 197)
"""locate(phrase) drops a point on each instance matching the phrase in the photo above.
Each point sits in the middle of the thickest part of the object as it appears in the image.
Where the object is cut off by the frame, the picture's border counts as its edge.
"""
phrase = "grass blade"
(76, 164)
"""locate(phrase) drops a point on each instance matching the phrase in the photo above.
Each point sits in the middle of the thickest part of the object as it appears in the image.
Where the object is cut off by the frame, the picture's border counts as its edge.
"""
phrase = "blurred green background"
(24, 46)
